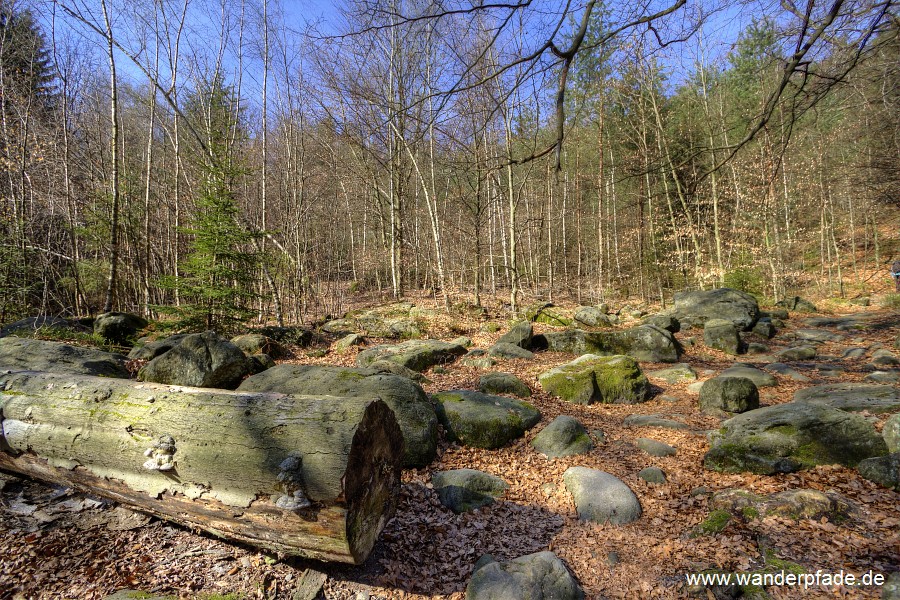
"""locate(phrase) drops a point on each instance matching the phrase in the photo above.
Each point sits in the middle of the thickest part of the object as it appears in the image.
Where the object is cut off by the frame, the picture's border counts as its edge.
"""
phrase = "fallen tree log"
(311, 476)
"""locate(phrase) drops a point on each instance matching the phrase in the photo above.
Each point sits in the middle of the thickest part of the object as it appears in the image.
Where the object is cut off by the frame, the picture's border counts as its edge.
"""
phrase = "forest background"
(234, 160)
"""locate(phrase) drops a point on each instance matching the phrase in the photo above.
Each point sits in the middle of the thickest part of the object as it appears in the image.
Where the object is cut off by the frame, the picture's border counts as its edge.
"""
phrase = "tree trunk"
(305, 475)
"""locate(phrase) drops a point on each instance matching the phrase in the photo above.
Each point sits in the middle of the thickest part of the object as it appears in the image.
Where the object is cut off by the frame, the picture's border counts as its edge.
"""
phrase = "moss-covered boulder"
(883, 470)
(503, 383)
(592, 316)
(675, 374)
(765, 328)
(546, 312)
(759, 377)
(294, 335)
(32, 325)
(797, 504)
(564, 436)
(801, 352)
(728, 394)
(740, 308)
(663, 321)
(519, 334)
(257, 343)
(722, 335)
(150, 349)
(462, 490)
(570, 341)
(118, 327)
(644, 342)
(417, 355)
(790, 437)
(850, 396)
(510, 351)
(24, 354)
(891, 433)
(798, 304)
(415, 413)
(482, 420)
(348, 341)
(591, 378)
(199, 360)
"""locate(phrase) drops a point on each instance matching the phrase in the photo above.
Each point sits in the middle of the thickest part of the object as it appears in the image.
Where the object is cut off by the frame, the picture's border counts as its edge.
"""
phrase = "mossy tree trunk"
(313, 476)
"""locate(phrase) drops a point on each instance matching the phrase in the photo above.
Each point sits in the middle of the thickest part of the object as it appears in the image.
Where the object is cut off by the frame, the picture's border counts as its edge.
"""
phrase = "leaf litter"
(58, 543)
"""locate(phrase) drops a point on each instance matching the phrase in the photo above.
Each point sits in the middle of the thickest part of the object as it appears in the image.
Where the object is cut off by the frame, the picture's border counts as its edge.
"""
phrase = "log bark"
(311, 476)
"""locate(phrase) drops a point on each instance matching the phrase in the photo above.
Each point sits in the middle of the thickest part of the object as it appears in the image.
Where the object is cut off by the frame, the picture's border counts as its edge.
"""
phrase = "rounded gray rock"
(564, 436)
(462, 490)
(482, 420)
(722, 335)
(540, 576)
(199, 360)
(652, 475)
(654, 447)
(729, 394)
(601, 497)
(503, 383)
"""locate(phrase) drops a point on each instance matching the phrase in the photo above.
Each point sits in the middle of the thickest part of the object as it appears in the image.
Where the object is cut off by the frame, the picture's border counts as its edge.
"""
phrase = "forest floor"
(56, 543)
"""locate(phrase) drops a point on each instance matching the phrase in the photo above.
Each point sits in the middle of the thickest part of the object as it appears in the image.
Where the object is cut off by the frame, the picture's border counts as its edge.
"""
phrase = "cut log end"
(372, 479)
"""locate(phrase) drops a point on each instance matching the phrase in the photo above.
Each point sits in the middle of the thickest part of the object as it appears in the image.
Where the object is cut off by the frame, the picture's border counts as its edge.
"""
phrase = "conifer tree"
(219, 274)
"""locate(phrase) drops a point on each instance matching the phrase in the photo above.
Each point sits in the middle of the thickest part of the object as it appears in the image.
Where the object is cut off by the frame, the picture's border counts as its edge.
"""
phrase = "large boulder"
(462, 490)
(418, 355)
(797, 504)
(655, 447)
(792, 353)
(601, 497)
(199, 360)
(148, 350)
(728, 394)
(663, 321)
(883, 470)
(503, 383)
(481, 420)
(699, 307)
(415, 413)
(757, 376)
(871, 397)
(25, 354)
(29, 326)
(644, 342)
(518, 335)
(294, 335)
(510, 351)
(257, 343)
(722, 335)
(118, 327)
(790, 437)
(591, 378)
(544, 312)
(675, 374)
(570, 341)
(797, 303)
(540, 576)
(564, 436)
(592, 316)
(816, 336)
(891, 433)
